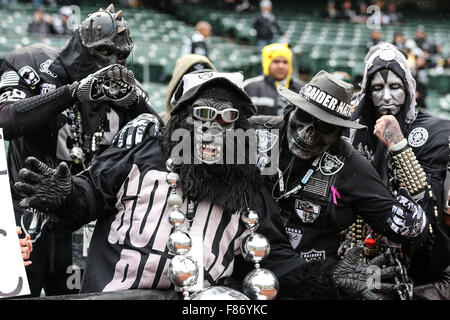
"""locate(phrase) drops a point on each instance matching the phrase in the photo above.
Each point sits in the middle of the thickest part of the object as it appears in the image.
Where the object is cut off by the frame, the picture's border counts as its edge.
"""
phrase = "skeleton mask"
(212, 117)
(106, 36)
(308, 136)
(388, 92)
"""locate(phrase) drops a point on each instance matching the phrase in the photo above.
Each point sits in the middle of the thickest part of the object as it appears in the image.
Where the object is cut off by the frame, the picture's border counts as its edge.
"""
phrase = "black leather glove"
(408, 218)
(45, 189)
(363, 279)
(115, 83)
(134, 131)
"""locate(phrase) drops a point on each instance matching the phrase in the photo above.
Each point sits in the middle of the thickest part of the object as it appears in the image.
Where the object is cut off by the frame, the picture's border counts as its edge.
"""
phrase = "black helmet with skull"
(106, 36)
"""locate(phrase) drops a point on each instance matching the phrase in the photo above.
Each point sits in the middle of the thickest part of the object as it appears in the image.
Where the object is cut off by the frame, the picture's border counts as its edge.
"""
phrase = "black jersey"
(129, 245)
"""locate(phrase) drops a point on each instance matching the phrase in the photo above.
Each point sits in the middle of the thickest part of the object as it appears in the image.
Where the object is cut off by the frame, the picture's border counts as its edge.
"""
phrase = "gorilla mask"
(208, 105)
(213, 117)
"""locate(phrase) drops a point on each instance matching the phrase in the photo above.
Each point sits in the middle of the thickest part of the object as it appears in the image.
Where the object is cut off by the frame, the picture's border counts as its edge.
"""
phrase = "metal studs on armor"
(409, 172)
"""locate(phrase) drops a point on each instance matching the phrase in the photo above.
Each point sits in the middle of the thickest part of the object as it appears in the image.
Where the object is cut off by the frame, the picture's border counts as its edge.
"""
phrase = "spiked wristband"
(409, 171)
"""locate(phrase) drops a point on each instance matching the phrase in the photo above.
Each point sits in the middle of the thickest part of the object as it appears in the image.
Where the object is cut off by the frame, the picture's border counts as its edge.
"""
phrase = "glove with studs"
(133, 132)
(114, 83)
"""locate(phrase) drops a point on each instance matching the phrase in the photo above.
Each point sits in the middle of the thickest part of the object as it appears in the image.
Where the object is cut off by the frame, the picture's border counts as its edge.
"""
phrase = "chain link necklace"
(85, 147)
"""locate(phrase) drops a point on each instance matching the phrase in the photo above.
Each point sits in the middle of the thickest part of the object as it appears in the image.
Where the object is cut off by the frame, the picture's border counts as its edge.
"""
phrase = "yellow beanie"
(274, 50)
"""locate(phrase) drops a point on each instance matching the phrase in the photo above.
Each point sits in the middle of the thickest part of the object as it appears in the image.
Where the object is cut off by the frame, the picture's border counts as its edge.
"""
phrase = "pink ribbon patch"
(335, 193)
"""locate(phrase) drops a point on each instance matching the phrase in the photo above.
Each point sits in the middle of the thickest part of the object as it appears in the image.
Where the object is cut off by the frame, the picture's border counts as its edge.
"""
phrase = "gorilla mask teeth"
(208, 153)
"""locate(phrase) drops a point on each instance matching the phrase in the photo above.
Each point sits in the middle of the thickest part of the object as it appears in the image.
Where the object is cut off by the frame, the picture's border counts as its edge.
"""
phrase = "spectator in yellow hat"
(277, 69)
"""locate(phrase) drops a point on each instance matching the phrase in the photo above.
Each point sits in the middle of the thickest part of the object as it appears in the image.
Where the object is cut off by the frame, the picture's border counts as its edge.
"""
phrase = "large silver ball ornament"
(173, 179)
(251, 219)
(169, 164)
(183, 271)
(218, 293)
(176, 217)
(255, 247)
(260, 284)
(179, 242)
(174, 200)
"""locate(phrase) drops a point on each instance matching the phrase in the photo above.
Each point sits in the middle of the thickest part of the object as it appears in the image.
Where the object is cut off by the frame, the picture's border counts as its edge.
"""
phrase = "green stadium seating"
(316, 43)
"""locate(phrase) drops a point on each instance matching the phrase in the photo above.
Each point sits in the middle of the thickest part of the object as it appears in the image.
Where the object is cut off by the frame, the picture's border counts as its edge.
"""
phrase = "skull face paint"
(388, 92)
(308, 136)
(212, 118)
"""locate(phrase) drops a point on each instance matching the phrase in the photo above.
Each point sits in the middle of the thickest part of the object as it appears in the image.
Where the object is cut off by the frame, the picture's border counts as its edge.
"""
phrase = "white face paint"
(388, 92)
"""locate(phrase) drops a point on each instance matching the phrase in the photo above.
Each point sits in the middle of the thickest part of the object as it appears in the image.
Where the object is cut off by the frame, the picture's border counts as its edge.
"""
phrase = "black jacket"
(265, 26)
(427, 135)
(264, 94)
(313, 216)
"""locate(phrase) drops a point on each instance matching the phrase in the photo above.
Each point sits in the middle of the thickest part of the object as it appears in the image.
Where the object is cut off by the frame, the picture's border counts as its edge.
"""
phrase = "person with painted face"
(66, 105)
(277, 68)
(178, 182)
(322, 182)
(408, 147)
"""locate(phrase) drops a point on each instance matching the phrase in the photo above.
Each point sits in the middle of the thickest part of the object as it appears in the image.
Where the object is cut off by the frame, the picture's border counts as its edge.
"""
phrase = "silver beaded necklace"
(82, 144)
(183, 271)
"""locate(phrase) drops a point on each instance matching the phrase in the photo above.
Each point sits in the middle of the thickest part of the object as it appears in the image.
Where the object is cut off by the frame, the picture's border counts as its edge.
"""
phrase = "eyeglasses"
(229, 115)
(321, 126)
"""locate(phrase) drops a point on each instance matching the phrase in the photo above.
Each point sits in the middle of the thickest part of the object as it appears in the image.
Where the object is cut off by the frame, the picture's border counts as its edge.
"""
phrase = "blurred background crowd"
(330, 35)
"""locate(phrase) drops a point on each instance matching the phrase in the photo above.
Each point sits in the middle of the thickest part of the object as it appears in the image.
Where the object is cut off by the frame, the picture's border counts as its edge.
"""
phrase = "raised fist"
(114, 83)
(45, 189)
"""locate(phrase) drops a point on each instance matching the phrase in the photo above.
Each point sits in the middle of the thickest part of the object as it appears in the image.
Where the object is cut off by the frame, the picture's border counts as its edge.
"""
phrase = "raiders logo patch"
(30, 76)
(313, 255)
(418, 137)
(295, 235)
(44, 68)
(47, 87)
(330, 164)
(306, 211)
(266, 140)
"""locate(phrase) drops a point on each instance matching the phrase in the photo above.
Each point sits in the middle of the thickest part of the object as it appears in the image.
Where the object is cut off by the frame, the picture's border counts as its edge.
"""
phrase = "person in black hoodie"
(408, 147)
(66, 105)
